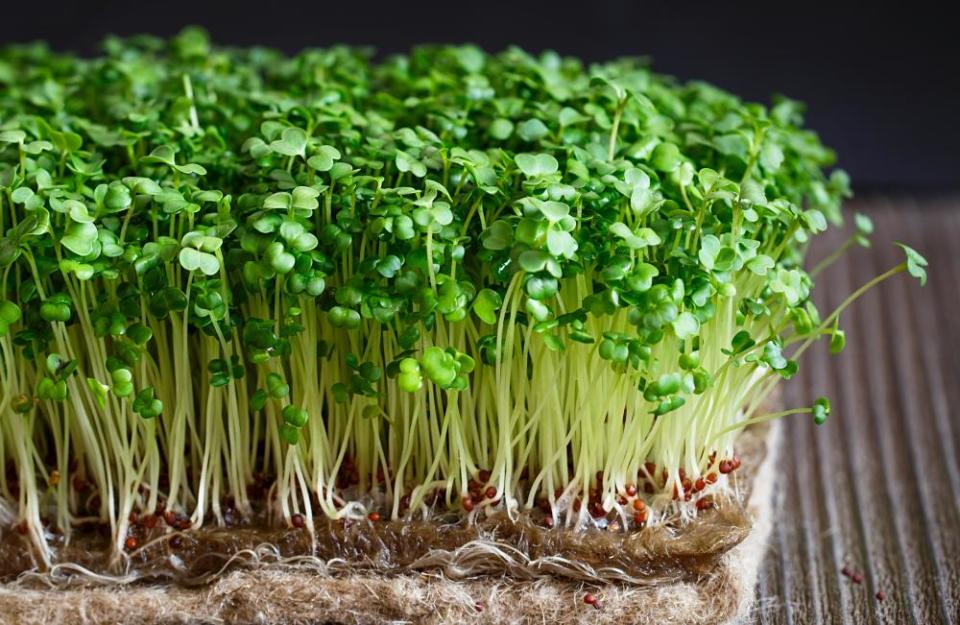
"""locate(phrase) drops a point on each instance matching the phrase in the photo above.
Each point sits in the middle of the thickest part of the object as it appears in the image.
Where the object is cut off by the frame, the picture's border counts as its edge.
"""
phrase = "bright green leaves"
(56, 308)
(410, 378)
(916, 264)
(635, 240)
(793, 284)
(278, 258)
(445, 368)
(294, 416)
(292, 142)
(686, 326)
(10, 314)
(324, 159)
(342, 317)
(439, 366)
(560, 243)
(773, 357)
(537, 165)
(199, 252)
(486, 305)
(301, 198)
(16, 137)
(164, 155)
(715, 256)
(146, 404)
(122, 381)
(80, 238)
(532, 130)
(665, 157)
(498, 236)
(222, 370)
(408, 163)
(821, 410)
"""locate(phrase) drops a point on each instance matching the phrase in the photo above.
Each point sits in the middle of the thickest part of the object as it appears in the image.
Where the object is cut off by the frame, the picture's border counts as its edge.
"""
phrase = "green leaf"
(501, 129)
(80, 238)
(324, 158)
(665, 157)
(532, 130)
(486, 305)
(915, 263)
(498, 236)
(292, 142)
(407, 163)
(535, 165)
(821, 410)
(686, 326)
(192, 259)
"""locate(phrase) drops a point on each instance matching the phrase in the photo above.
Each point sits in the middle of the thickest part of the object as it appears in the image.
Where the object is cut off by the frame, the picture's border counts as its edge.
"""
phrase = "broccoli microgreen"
(443, 265)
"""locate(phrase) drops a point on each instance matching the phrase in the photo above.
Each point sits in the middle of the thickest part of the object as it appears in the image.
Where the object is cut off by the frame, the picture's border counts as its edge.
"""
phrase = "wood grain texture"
(877, 488)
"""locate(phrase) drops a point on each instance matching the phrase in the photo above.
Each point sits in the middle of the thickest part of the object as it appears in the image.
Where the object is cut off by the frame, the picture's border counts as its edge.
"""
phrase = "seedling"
(448, 280)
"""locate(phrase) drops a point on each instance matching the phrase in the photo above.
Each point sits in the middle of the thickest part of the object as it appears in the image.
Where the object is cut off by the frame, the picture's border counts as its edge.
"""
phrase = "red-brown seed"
(374, 516)
(699, 485)
(22, 527)
(725, 466)
(484, 476)
(712, 478)
(150, 521)
(639, 505)
(490, 493)
(134, 518)
(182, 524)
(881, 595)
(857, 578)
(478, 606)
(650, 467)
(130, 543)
(589, 599)
(297, 520)
(648, 488)
(170, 517)
(548, 521)
(845, 571)
(467, 504)
(687, 484)
(704, 503)
(640, 517)
(687, 496)
(631, 490)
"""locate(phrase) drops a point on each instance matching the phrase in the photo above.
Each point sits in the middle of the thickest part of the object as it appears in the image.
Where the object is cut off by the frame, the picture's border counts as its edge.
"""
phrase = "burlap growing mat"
(291, 590)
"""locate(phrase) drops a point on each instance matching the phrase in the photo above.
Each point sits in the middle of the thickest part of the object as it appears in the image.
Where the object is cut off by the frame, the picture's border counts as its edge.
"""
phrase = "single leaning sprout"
(395, 284)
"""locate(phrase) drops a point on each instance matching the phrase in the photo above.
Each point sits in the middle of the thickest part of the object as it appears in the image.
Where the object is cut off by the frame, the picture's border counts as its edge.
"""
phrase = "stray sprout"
(323, 286)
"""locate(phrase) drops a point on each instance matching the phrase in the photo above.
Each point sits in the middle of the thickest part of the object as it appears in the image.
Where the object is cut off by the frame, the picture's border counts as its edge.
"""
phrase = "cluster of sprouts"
(235, 283)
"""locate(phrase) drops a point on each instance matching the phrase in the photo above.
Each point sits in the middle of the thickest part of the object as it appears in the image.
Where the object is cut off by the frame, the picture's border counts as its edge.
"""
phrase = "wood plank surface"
(877, 488)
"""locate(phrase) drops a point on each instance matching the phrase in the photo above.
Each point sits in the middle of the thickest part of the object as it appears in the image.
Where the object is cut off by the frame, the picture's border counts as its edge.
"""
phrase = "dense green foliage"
(376, 279)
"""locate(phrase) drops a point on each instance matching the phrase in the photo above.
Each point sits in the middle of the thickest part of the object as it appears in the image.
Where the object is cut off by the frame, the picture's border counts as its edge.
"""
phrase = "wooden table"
(876, 488)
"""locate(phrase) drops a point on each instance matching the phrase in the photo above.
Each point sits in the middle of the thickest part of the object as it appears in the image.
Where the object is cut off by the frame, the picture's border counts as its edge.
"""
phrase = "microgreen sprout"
(446, 279)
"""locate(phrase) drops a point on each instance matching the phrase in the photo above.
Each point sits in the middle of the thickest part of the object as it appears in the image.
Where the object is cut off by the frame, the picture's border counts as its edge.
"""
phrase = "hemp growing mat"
(677, 589)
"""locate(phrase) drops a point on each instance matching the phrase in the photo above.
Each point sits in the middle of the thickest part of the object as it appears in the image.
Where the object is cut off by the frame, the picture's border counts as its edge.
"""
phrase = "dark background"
(882, 81)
